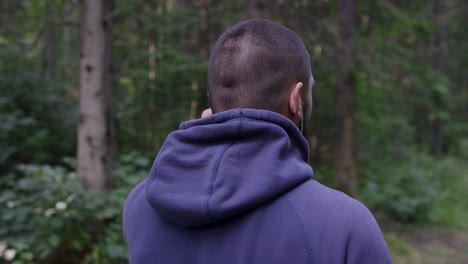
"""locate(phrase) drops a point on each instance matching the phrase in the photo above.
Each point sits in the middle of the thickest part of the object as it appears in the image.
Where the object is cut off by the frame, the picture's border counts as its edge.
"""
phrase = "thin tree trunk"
(194, 103)
(49, 41)
(152, 63)
(198, 101)
(95, 133)
(204, 34)
(437, 58)
(153, 104)
(344, 161)
(153, 8)
(205, 44)
(68, 46)
(420, 115)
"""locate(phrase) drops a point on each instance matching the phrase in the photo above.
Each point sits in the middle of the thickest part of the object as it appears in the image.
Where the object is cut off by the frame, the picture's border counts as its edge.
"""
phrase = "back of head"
(253, 64)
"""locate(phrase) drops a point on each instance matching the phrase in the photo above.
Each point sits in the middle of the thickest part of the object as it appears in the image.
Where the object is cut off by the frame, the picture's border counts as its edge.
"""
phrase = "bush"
(414, 189)
(47, 216)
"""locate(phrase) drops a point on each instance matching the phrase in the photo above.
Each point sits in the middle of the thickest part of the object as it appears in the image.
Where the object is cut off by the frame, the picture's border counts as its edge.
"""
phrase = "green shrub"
(413, 189)
(47, 216)
(451, 205)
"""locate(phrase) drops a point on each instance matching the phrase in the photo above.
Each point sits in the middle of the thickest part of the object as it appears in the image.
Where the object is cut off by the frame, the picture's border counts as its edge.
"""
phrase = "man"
(235, 186)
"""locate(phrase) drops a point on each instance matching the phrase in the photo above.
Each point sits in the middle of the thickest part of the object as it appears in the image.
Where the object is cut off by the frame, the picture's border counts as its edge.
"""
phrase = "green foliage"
(35, 112)
(404, 190)
(451, 205)
(28, 126)
(418, 188)
(47, 216)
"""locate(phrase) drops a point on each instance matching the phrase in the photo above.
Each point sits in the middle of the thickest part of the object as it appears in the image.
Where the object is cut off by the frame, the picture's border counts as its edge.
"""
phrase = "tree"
(344, 161)
(437, 55)
(68, 31)
(95, 133)
(48, 64)
(200, 98)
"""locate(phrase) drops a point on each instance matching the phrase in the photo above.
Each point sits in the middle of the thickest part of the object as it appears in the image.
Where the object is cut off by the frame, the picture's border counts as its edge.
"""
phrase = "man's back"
(236, 188)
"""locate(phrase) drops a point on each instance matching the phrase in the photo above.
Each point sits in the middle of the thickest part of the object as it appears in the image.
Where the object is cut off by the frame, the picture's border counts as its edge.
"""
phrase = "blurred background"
(100, 84)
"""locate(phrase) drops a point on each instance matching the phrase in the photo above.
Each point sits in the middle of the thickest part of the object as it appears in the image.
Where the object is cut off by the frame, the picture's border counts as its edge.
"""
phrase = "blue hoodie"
(235, 187)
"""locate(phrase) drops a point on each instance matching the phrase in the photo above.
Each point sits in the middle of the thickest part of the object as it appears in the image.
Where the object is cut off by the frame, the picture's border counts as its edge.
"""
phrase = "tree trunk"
(421, 124)
(49, 42)
(152, 64)
(205, 44)
(95, 133)
(344, 162)
(200, 99)
(204, 32)
(437, 58)
(68, 46)
(194, 114)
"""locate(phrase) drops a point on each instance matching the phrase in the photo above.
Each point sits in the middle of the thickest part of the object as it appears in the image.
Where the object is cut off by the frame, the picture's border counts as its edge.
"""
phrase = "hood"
(225, 164)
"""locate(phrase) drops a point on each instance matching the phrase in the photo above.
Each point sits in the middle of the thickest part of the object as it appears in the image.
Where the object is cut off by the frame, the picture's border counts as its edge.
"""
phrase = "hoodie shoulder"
(342, 229)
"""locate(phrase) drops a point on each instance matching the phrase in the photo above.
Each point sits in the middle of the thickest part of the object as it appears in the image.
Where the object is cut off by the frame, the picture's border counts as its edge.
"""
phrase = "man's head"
(260, 64)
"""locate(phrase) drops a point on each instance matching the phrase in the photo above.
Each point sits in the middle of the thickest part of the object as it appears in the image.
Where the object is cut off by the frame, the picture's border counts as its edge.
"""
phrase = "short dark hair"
(253, 64)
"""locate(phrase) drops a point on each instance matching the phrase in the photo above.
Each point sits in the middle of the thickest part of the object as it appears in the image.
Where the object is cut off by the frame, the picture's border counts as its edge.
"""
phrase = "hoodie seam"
(216, 168)
(307, 241)
(290, 131)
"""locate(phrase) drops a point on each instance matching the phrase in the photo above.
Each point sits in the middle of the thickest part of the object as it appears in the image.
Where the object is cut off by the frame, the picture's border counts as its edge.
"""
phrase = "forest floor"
(428, 246)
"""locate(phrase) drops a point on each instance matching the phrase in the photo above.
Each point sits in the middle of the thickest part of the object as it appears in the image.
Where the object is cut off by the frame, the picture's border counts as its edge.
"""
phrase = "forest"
(101, 83)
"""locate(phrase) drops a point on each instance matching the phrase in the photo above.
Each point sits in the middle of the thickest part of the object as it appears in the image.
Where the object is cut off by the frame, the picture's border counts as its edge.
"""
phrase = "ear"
(295, 100)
